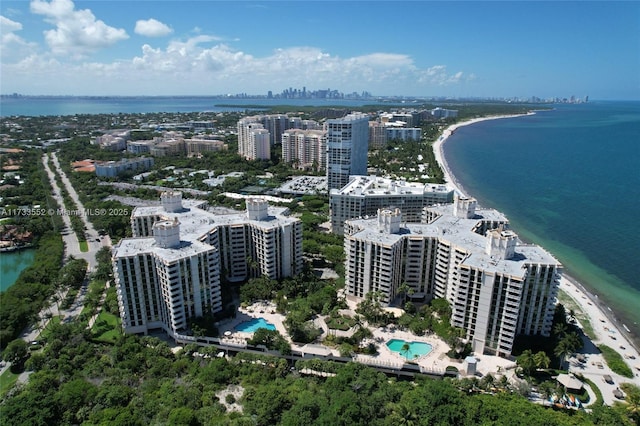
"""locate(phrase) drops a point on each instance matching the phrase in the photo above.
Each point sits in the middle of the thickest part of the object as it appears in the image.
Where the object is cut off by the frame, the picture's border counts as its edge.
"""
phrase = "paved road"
(72, 248)
(94, 241)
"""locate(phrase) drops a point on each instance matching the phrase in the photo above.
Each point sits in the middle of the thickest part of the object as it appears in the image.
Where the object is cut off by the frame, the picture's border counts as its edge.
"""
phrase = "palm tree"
(455, 339)
(406, 350)
(633, 403)
(541, 360)
(252, 264)
(563, 350)
(57, 298)
(404, 414)
(574, 341)
(370, 307)
(546, 389)
(37, 324)
(404, 289)
(526, 361)
(504, 382)
(560, 329)
(487, 382)
(358, 322)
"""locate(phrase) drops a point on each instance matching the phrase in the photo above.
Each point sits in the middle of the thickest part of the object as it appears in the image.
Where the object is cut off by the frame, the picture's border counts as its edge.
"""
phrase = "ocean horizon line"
(265, 97)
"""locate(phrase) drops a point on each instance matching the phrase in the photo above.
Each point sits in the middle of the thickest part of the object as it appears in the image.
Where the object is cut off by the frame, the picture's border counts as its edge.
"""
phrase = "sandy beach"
(438, 149)
(606, 329)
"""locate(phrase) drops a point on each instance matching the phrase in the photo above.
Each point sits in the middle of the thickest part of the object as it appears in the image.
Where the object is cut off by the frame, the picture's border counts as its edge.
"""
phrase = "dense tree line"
(402, 159)
(139, 381)
(21, 303)
(34, 191)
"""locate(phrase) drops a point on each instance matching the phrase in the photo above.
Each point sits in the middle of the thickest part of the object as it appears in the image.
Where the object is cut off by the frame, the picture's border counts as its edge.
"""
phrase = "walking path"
(606, 328)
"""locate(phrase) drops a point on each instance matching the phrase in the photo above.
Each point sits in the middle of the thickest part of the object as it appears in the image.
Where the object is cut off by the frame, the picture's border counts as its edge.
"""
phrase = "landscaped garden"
(336, 321)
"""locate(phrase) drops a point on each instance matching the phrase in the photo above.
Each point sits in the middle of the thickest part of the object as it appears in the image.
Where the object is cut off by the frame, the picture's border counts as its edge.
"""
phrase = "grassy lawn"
(106, 328)
(615, 361)
(7, 380)
(599, 399)
(84, 246)
(571, 305)
(342, 322)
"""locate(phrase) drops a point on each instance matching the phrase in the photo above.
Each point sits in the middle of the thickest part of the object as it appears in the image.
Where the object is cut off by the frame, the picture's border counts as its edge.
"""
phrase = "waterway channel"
(12, 263)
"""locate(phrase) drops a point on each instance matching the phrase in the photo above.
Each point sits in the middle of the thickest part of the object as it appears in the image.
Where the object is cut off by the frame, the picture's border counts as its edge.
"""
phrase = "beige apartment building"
(171, 270)
(497, 286)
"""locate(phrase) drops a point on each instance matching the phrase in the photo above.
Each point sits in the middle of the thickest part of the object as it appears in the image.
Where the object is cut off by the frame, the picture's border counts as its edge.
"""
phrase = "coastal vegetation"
(139, 380)
(578, 313)
(405, 159)
(99, 376)
(21, 303)
(632, 400)
(615, 361)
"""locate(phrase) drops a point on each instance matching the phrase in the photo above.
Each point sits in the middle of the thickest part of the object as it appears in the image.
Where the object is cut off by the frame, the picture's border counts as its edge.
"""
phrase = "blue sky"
(411, 48)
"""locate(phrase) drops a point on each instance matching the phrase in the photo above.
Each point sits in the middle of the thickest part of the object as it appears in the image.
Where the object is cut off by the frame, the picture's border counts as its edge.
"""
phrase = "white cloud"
(12, 46)
(77, 32)
(9, 26)
(202, 64)
(384, 60)
(152, 28)
(438, 75)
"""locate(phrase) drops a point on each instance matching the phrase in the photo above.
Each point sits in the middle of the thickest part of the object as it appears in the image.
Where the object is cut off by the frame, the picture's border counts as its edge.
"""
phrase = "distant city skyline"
(404, 48)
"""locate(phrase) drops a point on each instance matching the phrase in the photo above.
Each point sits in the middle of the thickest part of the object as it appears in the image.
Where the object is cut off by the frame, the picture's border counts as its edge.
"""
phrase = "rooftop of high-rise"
(195, 222)
(461, 233)
(374, 185)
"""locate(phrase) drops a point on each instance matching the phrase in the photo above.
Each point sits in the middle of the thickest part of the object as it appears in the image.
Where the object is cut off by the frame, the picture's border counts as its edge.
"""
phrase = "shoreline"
(604, 321)
(438, 148)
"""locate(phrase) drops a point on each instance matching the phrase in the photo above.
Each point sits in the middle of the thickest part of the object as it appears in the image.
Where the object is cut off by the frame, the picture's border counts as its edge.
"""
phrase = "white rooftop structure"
(496, 285)
(364, 195)
(171, 269)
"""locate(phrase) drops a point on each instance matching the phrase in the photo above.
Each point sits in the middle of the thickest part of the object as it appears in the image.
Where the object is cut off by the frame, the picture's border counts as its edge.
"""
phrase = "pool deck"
(435, 362)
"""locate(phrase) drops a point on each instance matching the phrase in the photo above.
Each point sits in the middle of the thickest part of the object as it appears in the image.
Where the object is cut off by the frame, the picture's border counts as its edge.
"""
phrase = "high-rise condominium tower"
(496, 286)
(171, 270)
(347, 145)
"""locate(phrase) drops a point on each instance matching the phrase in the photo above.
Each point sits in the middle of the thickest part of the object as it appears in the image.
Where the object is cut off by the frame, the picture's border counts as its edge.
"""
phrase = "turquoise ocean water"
(568, 180)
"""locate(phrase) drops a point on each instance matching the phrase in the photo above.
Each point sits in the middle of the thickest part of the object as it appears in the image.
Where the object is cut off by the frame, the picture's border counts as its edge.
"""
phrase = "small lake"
(12, 263)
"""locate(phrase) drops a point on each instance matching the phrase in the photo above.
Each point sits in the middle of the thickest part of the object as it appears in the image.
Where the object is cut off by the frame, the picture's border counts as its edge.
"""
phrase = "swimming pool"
(414, 349)
(254, 324)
